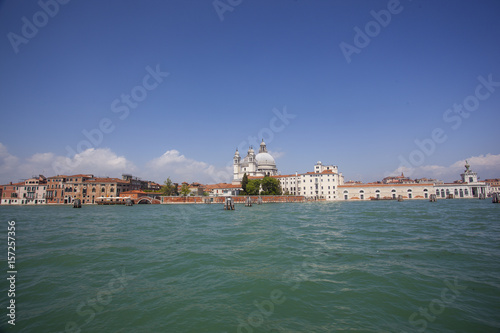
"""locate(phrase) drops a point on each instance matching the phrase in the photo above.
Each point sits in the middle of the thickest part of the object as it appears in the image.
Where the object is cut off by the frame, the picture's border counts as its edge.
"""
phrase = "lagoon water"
(409, 266)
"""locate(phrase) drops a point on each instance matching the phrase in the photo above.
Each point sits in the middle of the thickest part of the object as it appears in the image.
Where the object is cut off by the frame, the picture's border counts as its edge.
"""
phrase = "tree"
(168, 188)
(271, 186)
(244, 183)
(185, 189)
(253, 187)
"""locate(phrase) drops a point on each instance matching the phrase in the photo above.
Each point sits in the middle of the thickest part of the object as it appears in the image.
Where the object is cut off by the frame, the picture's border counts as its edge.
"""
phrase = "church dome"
(265, 159)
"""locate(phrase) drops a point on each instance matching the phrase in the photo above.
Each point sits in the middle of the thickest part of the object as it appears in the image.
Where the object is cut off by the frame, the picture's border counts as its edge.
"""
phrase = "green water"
(409, 266)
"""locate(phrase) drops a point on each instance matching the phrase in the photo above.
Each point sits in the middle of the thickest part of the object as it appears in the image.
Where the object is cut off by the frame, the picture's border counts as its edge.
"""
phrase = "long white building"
(322, 183)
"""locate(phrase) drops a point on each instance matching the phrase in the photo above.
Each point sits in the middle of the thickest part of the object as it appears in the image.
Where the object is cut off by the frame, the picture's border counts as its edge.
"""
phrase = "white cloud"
(8, 162)
(276, 154)
(181, 168)
(100, 162)
(486, 166)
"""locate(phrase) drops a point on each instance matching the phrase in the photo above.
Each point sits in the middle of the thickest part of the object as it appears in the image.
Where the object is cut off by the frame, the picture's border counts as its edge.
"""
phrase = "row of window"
(456, 192)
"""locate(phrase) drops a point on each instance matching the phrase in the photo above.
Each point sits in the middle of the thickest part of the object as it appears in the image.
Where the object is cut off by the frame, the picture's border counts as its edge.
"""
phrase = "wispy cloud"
(276, 154)
(181, 168)
(100, 162)
(487, 166)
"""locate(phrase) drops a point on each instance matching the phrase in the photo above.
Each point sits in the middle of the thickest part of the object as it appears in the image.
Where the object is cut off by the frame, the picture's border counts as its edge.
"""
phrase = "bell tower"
(236, 166)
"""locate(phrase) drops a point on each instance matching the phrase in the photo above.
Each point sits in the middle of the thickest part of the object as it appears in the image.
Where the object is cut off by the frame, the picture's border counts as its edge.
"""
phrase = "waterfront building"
(398, 180)
(76, 188)
(33, 191)
(135, 195)
(223, 189)
(10, 194)
(135, 182)
(494, 185)
(152, 186)
(381, 191)
(468, 187)
(105, 187)
(55, 189)
(254, 165)
(196, 189)
(319, 184)
(391, 188)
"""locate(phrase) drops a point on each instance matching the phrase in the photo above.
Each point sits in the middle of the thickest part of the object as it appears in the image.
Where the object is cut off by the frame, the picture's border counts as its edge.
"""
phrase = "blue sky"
(233, 66)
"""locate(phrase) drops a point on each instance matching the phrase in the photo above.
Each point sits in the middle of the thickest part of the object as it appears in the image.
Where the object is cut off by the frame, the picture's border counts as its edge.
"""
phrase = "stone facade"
(254, 165)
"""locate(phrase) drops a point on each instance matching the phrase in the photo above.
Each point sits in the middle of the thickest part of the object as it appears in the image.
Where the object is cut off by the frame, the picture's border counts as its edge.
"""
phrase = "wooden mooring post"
(229, 204)
(248, 202)
(496, 198)
(433, 198)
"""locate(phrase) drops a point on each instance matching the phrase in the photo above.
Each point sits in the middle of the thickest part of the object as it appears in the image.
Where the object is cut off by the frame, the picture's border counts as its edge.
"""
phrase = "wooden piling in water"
(229, 204)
